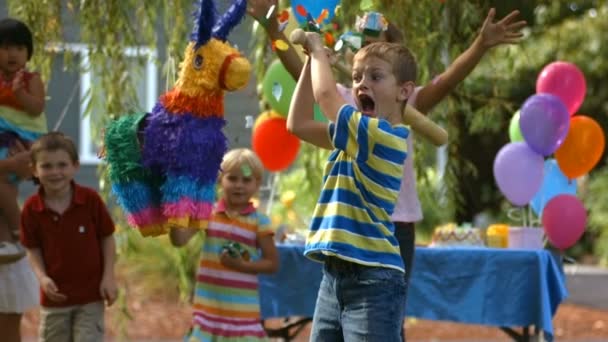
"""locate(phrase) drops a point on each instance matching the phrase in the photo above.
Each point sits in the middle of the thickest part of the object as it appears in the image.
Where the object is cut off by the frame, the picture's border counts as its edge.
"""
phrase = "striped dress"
(361, 181)
(226, 302)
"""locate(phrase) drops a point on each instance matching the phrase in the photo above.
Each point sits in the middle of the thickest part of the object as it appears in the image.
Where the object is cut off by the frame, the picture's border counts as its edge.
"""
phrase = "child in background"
(19, 290)
(21, 118)
(67, 231)
(363, 287)
(226, 299)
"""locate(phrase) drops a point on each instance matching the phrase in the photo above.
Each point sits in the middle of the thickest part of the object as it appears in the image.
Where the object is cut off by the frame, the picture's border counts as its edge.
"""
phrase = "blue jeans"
(358, 303)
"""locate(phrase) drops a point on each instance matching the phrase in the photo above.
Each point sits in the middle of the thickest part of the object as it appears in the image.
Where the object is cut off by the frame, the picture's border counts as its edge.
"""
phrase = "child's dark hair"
(393, 34)
(15, 32)
(54, 141)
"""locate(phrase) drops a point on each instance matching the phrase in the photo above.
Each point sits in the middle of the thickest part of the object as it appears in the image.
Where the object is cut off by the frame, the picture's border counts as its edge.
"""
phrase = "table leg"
(524, 336)
(288, 330)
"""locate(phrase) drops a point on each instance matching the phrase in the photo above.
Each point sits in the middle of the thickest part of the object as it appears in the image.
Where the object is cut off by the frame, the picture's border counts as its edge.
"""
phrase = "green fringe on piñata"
(123, 150)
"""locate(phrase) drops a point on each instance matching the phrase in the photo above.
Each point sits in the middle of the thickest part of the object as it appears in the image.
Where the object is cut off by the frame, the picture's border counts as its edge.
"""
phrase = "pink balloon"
(564, 80)
(564, 220)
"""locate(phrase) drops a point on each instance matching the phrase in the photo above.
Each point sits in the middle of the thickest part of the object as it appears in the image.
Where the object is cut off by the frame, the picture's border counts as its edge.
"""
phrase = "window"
(146, 78)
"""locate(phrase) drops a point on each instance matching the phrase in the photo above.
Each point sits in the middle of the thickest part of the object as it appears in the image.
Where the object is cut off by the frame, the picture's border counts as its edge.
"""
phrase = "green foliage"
(166, 269)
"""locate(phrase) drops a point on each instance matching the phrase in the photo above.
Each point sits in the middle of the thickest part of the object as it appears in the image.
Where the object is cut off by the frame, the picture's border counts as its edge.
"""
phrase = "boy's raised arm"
(323, 81)
(300, 120)
(505, 31)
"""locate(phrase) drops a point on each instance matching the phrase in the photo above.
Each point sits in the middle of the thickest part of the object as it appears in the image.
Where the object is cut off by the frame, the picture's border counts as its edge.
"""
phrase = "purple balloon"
(518, 172)
(544, 122)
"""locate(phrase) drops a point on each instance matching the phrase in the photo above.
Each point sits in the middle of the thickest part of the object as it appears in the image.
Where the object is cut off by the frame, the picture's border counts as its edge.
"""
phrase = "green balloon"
(278, 87)
(319, 115)
(514, 131)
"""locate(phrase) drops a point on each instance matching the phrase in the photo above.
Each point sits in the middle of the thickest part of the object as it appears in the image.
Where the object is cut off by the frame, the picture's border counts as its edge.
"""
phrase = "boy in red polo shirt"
(67, 231)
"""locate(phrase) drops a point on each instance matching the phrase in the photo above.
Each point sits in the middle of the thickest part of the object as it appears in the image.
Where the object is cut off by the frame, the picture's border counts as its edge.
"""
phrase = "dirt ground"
(163, 319)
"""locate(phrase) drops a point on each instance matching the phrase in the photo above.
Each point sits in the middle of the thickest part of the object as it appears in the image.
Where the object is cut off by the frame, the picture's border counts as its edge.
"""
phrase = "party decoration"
(280, 45)
(564, 220)
(318, 9)
(518, 172)
(276, 147)
(514, 131)
(372, 24)
(278, 87)
(350, 40)
(164, 164)
(554, 183)
(583, 147)
(544, 123)
(565, 81)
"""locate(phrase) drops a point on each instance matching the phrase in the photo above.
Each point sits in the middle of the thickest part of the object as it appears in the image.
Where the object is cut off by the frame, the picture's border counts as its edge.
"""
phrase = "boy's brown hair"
(401, 58)
(54, 141)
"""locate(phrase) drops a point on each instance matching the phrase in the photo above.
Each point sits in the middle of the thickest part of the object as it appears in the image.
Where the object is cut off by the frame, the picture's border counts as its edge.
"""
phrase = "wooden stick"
(424, 126)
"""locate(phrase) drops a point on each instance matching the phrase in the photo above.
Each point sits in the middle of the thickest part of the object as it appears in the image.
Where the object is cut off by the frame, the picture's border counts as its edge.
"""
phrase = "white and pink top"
(407, 208)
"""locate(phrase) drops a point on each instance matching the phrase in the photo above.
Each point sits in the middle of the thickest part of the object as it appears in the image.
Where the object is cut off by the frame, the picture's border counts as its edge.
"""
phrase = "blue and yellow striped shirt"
(352, 218)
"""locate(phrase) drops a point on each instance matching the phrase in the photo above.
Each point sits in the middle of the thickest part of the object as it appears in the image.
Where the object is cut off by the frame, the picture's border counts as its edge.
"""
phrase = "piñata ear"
(204, 20)
(230, 19)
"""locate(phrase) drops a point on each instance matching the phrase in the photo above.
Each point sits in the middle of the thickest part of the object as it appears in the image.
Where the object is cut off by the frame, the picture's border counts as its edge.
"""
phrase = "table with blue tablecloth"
(494, 287)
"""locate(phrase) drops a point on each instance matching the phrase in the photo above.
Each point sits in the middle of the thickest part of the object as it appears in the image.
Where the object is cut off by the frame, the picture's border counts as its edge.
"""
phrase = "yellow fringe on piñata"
(187, 222)
(153, 230)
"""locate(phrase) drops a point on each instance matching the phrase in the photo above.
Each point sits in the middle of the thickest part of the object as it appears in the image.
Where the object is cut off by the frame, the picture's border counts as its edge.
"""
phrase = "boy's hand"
(310, 41)
(108, 290)
(51, 290)
(234, 263)
(505, 31)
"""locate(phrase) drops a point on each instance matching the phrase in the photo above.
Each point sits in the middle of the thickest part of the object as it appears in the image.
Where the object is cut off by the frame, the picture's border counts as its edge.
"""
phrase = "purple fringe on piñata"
(230, 19)
(201, 34)
(184, 144)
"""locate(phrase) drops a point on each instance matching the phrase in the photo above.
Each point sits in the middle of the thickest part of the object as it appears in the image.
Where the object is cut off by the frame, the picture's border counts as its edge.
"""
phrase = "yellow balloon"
(265, 116)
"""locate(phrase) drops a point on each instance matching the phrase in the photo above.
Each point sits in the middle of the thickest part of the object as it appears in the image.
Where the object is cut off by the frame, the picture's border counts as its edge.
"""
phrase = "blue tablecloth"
(497, 287)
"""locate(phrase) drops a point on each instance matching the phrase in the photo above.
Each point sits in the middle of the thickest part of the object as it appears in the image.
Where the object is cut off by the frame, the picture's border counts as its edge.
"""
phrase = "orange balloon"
(276, 147)
(583, 147)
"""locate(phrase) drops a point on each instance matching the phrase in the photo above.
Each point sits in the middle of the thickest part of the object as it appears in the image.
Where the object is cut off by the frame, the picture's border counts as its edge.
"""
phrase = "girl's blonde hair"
(239, 157)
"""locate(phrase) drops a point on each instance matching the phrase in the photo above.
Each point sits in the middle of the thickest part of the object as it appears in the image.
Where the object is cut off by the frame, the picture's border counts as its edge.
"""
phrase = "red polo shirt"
(70, 243)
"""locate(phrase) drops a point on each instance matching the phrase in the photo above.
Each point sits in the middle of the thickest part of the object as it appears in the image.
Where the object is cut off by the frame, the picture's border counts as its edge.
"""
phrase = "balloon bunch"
(545, 126)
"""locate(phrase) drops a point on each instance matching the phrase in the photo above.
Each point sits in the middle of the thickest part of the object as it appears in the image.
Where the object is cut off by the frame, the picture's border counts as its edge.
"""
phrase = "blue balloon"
(314, 8)
(554, 183)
